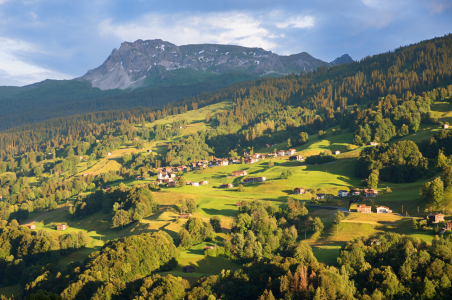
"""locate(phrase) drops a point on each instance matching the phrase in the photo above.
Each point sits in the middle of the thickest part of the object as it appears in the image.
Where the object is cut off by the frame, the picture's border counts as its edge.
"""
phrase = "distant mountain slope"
(156, 62)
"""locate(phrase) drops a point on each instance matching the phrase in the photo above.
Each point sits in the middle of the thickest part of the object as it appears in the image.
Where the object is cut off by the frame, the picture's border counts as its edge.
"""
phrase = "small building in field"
(362, 208)
(435, 218)
(282, 153)
(226, 186)
(208, 247)
(343, 193)
(189, 269)
(31, 226)
(298, 191)
(184, 216)
(149, 151)
(445, 126)
(195, 183)
(320, 196)
(354, 193)
(107, 188)
(291, 152)
(295, 157)
(373, 144)
(109, 154)
(61, 227)
(238, 203)
(203, 182)
(254, 179)
(383, 210)
(171, 183)
(239, 173)
(336, 152)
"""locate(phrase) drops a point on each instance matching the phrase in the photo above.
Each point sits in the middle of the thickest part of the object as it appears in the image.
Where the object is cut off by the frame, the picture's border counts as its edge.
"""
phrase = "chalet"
(336, 152)
(226, 186)
(254, 179)
(107, 188)
(369, 192)
(195, 183)
(281, 153)
(203, 182)
(435, 218)
(189, 269)
(295, 157)
(149, 151)
(448, 225)
(208, 247)
(136, 139)
(61, 227)
(362, 208)
(445, 126)
(234, 161)
(383, 210)
(188, 182)
(250, 160)
(373, 144)
(31, 226)
(343, 193)
(218, 162)
(171, 183)
(298, 191)
(163, 175)
(267, 145)
(109, 154)
(239, 173)
(354, 193)
(291, 152)
(257, 155)
(184, 216)
(272, 154)
(80, 157)
(238, 204)
(320, 196)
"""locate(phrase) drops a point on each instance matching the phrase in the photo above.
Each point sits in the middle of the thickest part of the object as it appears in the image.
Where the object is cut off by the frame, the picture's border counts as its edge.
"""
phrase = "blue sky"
(59, 39)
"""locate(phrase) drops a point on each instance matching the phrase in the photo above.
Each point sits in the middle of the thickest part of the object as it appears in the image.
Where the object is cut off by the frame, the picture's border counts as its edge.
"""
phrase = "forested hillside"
(194, 200)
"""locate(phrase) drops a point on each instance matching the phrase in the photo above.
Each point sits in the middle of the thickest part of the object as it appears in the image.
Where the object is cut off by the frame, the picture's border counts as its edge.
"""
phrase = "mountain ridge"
(146, 62)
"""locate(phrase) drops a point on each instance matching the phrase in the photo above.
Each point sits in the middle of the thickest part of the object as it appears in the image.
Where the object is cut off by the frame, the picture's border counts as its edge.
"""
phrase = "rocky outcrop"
(143, 63)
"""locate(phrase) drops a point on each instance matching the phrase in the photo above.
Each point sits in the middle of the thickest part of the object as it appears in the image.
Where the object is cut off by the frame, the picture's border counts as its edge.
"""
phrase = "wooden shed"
(61, 227)
(189, 269)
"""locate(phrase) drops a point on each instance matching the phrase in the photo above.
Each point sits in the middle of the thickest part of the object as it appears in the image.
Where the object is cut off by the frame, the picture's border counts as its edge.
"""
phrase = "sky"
(61, 39)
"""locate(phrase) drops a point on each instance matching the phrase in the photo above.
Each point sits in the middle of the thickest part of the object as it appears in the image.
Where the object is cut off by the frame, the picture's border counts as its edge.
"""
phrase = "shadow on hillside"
(220, 212)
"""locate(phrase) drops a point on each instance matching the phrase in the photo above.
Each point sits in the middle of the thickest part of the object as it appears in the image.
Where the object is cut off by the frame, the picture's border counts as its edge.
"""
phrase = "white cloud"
(15, 71)
(236, 28)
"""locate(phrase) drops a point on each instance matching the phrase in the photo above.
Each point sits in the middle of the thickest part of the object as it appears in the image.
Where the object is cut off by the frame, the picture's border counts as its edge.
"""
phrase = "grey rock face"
(143, 63)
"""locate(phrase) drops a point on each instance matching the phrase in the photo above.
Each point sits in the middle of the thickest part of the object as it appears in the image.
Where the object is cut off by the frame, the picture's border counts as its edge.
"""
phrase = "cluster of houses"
(367, 192)
(362, 208)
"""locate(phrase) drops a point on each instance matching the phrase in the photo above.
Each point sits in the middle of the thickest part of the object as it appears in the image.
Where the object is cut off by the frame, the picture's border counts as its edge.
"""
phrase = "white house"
(195, 183)
(383, 210)
(291, 152)
(343, 193)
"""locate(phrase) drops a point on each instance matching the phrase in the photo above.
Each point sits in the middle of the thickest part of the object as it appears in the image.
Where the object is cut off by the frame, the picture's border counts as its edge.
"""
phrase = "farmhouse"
(343, 193)
(336, 152)
(149, 150)
(238, 203)
(239, 173)
(61, 227)
(281, 153)
(195, 183)
(320, 196)
(225, 186)
(298, 191)
(295, 157)
(203, 182)
(272, 154)
(362, 208)
(218, 162)
(254, 179)
(189, 269)
(354, 193)
(383, 210)
(184, 216)
(109, 153)
(445, 126)
(107, 188)
(250, 160)
(373, 144)
(257, 155)
(171, 183)
(31, 226)
(448, 225)
(435, 218)
(291, 152)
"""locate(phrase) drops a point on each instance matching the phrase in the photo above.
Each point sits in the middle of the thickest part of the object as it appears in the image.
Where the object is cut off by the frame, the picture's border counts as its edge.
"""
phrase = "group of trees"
(397, 162)
(322, 158)
(126, 205)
